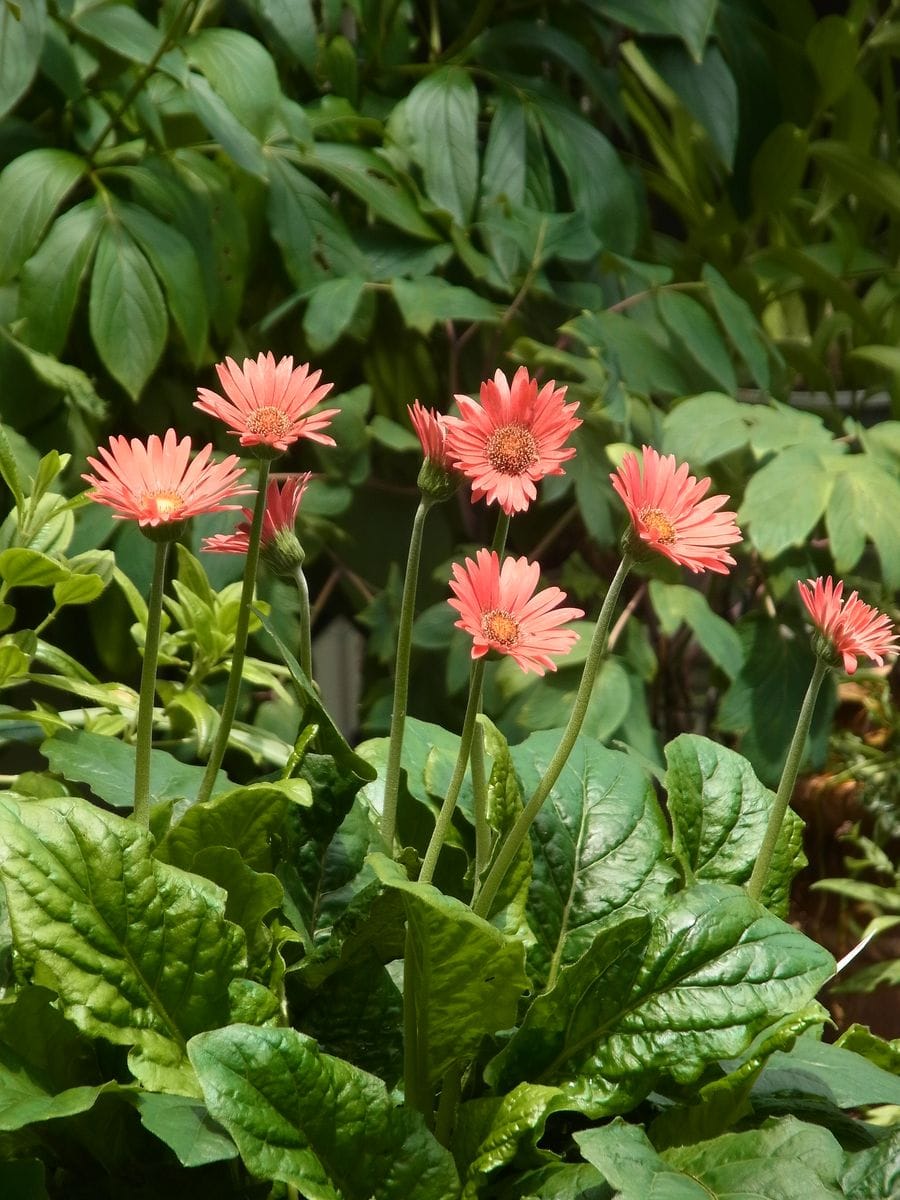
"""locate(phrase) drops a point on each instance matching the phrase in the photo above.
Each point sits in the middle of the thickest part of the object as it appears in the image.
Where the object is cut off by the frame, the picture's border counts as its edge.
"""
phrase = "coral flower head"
(850, 626)
(279, 518)
(268, 403)
(498, 607)
(158, 483)
(437, 478)
(669, 514)
(512, 439)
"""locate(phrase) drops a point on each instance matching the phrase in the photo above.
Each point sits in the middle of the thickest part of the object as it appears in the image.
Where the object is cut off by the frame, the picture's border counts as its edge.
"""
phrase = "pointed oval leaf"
(31, 189)
(315, 1121)
(22, 30)
(52, 276)
(442, 117)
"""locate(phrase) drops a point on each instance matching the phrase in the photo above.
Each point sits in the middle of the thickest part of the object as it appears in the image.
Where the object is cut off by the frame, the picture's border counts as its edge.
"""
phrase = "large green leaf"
(697, 333)
(441, 114)
(787, 497)
(371, 177)
(332, 307)
(720, 811)
(235, 138)
(504, 805)
(186, 1128)
(704, 428)
(690, 20)
(469, 978)
(740, 324)
(127, 311)
(707, 90)
(108, 765)
(814, 1067)
(490, 1133)
(52, 276)
(315, 1121)
(31, 189)
(241, 71)
(873, 1174)
(599, 844)
(139, 952)
(864, 504)
(785, 1160)
(663, 995)
(22, 28)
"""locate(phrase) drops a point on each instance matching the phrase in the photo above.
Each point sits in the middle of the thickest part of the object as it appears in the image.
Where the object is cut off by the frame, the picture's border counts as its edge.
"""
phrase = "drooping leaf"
(52, 276)
(127, 311)
(107, 765)
(599, 844)
(138, 952)
(441, 113)
(698, 334)
(720, 811)
(186, 1128)
(31, 189)
(739, 323)
(814, 1067)
(469, 977)
(22, 31)
(663, 995)
(372, 178)
(299, 1116)
(690, 20)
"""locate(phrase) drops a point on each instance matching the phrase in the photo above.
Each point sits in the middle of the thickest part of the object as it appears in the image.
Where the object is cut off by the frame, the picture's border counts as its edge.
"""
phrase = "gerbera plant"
(485, 947)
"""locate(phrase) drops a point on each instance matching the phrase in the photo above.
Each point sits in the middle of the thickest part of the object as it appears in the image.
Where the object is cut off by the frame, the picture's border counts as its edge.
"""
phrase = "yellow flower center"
(500, 626)
(510, 449)
(268, 423)
(165, 504)
(659, 525)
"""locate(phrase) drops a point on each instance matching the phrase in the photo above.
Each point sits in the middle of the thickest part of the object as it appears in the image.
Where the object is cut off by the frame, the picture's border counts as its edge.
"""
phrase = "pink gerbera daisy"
(431, 430)
(269, 403)
(851, 626)
(497, 605)
(280, 516)
(669, 514)
(157, 483)
(512, 439)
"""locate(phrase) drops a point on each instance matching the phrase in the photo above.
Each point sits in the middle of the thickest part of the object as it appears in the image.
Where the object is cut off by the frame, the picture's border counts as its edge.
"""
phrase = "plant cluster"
(432, 966)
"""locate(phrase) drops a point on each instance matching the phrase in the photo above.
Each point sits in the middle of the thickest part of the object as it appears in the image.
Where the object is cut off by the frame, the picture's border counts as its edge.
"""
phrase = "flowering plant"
(434, 965)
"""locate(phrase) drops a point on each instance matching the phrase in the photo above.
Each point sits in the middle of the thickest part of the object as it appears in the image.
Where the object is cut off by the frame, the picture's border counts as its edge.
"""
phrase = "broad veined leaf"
(315, 1121)
(175, 263)
(720, 811)
(107, 765)
(814, 1067)
(22, 29)
(186, 1128)
(675, 603)
(490, 1132)
(442, 114)
(241, 71)
(864, 504)
(504, 805)
(127, 311)
(51, 278)
(331, 308)
(599, 844)
(874, 1173)
(784, 1160)
(787, 497)
(21, 567)
(138, 952)
(704, 428)
(469, 977)
(659, 995)
(32, 187)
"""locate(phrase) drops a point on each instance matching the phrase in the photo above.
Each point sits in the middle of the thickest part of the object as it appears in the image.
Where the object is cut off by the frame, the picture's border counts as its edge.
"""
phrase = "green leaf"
(697, 333)
(644, 362)
(706, 89)
(186, 1128)
(786, 498)
(704, 428)
(778, 169)
(720, 811)
(490, 1133)
(504, 806)
(696, 984)
(675, 603)
(372, 178)
(138, 952)
(813, 1067)
(424, 302)
(9, 469)
(832, 49)
(441, 113)
(313, 239)
(874, 1173)
(740, 324)
(122, 30)
(764, 699)
(52, 276)
(77, 589)
(864, 504)
(32, 187)
(292, 24)
(599, 844)
(175, 263)
(107, 765)
(20, 567)
(241, 71)
(332, 307)
(690, 20)
(315, 1121)
(599, 185)
(785, 1160)
(127, 311)
(75, 384)
(22, 31)
(235, 139)
(469, 977)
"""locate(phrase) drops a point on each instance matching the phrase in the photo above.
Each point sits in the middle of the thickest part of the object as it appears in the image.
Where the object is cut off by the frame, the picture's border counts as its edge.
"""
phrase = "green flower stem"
(448, 1105)
(442, 824)
(305, 624)
(401, 675)
(519, 831)
(144, 738)
(479, 790)
(499, 542)
(415, 1085)
(786, 786)
(232, 690)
